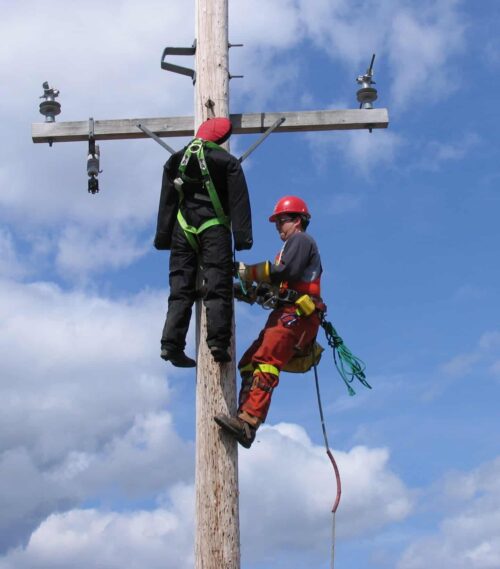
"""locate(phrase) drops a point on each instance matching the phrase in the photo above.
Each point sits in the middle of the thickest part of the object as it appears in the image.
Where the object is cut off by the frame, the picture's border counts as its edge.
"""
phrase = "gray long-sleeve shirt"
(299, 261)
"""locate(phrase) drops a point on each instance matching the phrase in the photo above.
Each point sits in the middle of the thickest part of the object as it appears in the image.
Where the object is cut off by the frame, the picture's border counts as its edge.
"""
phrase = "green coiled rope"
(347, 364)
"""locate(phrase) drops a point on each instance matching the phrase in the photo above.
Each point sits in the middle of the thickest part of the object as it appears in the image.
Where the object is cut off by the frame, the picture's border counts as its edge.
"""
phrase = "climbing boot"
(220, 355)
(237, 428)
(177, 358)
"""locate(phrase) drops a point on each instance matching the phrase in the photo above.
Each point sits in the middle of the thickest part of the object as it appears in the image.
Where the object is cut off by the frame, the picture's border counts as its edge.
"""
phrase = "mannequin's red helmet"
(290, 204)
(216, 130)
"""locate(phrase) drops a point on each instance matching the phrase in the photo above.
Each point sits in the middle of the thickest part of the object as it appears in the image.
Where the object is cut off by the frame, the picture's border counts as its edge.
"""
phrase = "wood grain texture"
(217, 542)
(247, 123)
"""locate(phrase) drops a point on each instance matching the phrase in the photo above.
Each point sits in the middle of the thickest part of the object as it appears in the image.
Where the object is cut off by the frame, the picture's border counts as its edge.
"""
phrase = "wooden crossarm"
(248, 123)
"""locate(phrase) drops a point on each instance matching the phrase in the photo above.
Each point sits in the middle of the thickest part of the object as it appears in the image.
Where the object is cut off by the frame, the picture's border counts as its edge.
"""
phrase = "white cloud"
(95, 54)
(290, 482)
(284, 477)
(267, 24)
(267, 30)
(495, 368)
(420, 45)
(9, 263)
(461, 365)
(468, 536)
(485, 353)
(55, 219)
(343, 203)
(81, 251)
(491, 52)
(157, 539)
(370, 150)
(140, 462)
(436, 155)
(490, 340)
(469, 293)
(365, 151)
(28, 495)
(417, 45)
(105, 59)
(84, 403)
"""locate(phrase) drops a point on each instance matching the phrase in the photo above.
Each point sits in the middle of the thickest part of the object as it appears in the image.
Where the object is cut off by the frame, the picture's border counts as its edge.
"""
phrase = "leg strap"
(260, 383)
(246, 386)
(256, 405)
(246, 369)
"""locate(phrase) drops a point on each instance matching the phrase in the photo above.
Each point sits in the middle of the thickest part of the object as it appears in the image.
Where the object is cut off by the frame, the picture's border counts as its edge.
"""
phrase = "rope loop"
(348, 365)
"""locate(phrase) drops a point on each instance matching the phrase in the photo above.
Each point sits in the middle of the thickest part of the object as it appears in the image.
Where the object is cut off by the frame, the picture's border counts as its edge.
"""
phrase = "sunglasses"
(281, 220)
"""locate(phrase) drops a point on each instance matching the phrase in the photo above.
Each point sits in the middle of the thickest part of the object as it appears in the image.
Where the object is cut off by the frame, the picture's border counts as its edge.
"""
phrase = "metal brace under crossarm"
(244, 156)
(156, 138)
(274, 126)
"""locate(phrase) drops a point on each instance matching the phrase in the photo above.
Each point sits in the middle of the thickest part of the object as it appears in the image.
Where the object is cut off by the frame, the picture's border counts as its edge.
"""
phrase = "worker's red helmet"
(290, 204)
(216, 130)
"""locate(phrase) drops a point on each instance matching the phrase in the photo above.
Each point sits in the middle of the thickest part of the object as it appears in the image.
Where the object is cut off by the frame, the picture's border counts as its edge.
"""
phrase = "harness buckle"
(178, 183)
(195, 147)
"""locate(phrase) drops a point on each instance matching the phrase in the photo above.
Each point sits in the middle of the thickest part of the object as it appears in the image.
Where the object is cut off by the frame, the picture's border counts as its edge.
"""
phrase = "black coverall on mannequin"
(215, 249)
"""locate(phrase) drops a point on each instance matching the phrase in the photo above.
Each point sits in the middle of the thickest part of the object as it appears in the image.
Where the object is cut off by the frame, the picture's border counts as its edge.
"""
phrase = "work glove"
(259, 273)
(244, 293)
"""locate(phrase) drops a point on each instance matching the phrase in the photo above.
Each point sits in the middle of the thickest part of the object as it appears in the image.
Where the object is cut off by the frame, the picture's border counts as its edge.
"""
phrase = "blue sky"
(97, 432)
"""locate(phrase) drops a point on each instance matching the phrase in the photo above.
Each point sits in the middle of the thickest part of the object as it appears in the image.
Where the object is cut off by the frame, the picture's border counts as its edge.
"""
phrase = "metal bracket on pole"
(274, 126)
(178, 68)
(156, 138)
(235, 45)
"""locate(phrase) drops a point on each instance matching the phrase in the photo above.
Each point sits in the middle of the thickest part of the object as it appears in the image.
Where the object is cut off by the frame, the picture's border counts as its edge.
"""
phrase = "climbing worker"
(204, 197)
(291, 328)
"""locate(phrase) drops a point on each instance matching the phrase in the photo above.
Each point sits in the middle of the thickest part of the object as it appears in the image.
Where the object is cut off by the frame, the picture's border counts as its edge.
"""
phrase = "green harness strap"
(196, 148)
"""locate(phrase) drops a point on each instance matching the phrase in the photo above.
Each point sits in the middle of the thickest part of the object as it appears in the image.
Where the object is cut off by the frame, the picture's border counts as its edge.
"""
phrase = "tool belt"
(271, 297)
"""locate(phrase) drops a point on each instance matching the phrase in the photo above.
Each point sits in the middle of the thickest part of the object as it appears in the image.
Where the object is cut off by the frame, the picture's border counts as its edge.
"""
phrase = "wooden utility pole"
(217, 541)
(217, 518)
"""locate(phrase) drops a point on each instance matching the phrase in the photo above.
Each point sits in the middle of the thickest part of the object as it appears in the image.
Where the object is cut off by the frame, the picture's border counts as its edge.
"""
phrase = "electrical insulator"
(93, 167)
(367, 94)
(50, 107)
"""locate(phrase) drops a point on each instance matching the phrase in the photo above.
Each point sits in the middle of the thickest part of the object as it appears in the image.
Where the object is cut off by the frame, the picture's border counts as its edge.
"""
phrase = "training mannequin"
(204, 199)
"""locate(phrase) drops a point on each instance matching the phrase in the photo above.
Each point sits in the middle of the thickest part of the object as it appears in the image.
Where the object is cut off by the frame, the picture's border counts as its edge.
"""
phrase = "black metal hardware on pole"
(93, 160)
(179, 68)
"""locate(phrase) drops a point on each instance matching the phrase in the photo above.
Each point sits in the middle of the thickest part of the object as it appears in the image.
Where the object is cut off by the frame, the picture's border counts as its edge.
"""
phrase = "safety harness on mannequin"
(196, 148)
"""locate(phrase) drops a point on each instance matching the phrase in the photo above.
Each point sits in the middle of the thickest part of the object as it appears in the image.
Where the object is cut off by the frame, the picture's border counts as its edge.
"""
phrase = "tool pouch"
(303, 362)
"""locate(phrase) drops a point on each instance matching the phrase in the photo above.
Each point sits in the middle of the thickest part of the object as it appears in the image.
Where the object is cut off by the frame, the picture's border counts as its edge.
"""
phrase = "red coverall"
(298, 267)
